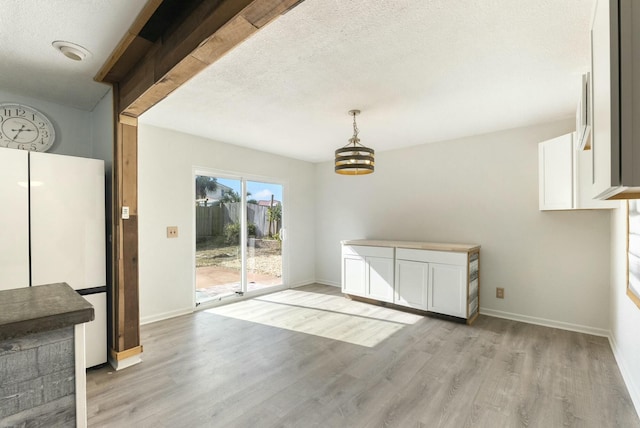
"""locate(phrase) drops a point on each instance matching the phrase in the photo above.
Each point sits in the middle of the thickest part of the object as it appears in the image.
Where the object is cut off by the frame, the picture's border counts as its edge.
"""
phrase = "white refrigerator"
(53, 222)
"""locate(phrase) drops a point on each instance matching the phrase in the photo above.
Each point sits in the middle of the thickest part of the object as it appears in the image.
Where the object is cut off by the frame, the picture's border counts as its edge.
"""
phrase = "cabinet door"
(380, 278)
(583, 172)
(353, 275)
(14, 217)
(447, 289)
(603, 88)
(555, 173)
(411, 284)
(67, 221)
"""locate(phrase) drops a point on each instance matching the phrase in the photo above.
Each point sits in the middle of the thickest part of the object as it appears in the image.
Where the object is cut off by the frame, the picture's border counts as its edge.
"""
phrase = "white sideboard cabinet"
(438, 278)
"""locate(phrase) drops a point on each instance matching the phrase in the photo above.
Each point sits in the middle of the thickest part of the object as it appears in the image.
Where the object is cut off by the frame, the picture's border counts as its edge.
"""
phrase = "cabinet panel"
(615, 58)
(602, 92)
(446, 257)
(555, 173)
(380, 278)
(14, 217)
(96, 331)
(583, 171)
(447, 289)
(353, 275)
(363, 251)
(67, 221)
(411, 284)
(566, 175)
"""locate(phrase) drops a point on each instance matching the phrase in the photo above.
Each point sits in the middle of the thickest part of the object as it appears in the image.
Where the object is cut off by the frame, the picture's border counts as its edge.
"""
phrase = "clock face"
(23, 127)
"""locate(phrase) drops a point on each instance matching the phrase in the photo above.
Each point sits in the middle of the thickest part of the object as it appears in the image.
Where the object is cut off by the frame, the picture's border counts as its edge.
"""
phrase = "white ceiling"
(30, 66)
(420, 70)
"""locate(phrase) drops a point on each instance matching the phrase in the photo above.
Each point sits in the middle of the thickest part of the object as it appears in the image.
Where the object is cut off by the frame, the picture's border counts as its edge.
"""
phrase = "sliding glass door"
(264, 240)
(239, 231)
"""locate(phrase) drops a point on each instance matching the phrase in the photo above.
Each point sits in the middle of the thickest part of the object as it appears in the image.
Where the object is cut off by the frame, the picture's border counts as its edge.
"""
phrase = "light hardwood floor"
(308, 357)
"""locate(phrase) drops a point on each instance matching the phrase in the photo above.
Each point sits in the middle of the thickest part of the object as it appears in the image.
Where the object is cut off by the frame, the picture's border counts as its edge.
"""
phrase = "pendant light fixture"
(354, 158)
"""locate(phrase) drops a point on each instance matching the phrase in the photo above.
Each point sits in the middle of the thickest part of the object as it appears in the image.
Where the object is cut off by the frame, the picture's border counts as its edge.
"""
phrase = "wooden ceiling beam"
(211, 30)
(130, 48)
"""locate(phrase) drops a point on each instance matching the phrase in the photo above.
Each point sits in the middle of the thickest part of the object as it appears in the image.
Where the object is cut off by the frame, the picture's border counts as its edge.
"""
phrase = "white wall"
(554, 266)
(166, 192)
(102, 137)
(625, 315)
(102, 131)
(73, 126)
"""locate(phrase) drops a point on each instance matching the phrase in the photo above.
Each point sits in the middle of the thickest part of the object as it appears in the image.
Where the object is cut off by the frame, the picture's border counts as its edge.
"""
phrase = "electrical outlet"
(500, 293)
(172, 231)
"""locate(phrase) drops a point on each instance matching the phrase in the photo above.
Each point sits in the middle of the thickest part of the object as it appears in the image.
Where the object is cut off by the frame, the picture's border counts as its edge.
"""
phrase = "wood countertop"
(30, 310)
(435, 246)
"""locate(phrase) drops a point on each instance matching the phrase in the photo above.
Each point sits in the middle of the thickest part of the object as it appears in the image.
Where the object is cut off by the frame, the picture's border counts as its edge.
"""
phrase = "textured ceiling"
(420, 71)
(30, 66)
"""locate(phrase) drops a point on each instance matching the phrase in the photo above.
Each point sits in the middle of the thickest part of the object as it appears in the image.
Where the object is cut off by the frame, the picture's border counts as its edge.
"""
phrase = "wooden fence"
(211, 221)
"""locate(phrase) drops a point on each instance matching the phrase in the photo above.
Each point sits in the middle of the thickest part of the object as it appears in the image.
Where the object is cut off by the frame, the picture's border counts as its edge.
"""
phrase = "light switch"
(172, 231)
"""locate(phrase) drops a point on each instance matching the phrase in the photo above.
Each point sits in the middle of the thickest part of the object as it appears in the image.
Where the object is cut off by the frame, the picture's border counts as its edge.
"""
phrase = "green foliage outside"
(204, 184)
(233, 196)
(274, 213)
(232, 232)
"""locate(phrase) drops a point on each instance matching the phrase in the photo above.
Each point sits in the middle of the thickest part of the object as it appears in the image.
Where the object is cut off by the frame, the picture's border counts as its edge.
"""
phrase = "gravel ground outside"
(264, 258)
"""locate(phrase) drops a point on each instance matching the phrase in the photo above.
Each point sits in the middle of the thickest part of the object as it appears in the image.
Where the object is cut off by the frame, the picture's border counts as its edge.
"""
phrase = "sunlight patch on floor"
(329, 316)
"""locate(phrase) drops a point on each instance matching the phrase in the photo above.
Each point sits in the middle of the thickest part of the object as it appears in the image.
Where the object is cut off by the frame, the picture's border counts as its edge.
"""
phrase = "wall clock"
(23, 127)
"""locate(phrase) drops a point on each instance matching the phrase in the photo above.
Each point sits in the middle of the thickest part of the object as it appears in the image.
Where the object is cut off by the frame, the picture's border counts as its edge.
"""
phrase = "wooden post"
(125, 341)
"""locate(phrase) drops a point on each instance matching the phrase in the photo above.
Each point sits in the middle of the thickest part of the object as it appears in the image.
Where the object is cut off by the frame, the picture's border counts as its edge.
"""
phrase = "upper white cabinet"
(555, 173)
(615, 54)
(565, 175)
(582, 179)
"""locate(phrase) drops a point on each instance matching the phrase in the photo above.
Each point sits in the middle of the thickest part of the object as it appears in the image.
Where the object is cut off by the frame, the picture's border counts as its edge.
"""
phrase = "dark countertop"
(41, 308)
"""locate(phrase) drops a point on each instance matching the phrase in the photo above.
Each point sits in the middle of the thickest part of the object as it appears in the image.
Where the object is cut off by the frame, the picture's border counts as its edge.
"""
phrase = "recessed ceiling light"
(71, 50)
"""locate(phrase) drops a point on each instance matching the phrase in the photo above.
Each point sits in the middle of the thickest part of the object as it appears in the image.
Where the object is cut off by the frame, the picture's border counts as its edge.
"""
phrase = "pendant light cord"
(355, 129)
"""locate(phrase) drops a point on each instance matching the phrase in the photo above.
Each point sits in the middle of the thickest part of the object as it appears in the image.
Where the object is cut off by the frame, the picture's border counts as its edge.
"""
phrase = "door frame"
(243, 178)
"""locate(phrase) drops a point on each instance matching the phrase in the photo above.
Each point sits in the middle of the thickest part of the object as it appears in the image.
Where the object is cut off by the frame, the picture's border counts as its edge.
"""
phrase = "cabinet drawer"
(429, 256)
(360, 250)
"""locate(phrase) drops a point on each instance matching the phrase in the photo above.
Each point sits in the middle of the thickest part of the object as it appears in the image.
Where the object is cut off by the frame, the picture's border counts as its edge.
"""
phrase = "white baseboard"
(165, 315)
(545, 322)
(302, 283)
(328, 282)
(634, 390)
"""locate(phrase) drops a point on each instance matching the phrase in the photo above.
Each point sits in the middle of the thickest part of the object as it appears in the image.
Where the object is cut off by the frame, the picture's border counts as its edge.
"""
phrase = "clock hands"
(22, 129)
